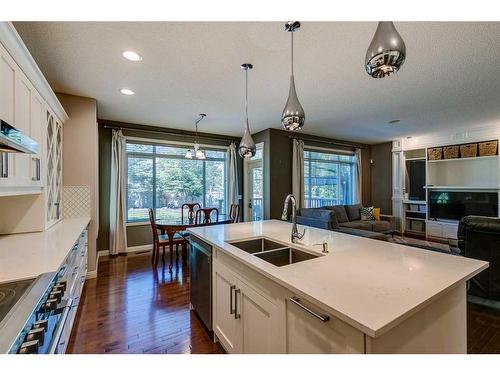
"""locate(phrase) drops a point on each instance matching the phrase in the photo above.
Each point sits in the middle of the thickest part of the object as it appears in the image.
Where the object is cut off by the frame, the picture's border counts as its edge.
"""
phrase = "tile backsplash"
(76, 201)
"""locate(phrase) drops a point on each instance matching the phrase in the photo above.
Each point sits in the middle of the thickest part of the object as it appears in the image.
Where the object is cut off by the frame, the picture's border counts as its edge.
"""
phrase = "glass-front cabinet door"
(54, 169)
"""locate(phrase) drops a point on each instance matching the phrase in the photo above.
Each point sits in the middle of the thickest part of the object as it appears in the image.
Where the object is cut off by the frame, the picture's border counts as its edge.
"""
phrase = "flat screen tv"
(454, 205)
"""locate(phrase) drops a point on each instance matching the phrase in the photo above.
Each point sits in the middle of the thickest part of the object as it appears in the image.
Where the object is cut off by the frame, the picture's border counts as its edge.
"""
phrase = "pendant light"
(197, 152)
(247, 147)
(386, 53)
(293, 115)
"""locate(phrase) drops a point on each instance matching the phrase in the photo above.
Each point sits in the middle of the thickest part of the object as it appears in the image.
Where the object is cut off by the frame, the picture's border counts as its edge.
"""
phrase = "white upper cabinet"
(28, 104)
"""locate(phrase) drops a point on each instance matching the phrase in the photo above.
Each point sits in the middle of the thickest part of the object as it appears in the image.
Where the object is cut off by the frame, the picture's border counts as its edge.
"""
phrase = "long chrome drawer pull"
(231, 310)
(59, 330)
(322, 317)
(236, 315)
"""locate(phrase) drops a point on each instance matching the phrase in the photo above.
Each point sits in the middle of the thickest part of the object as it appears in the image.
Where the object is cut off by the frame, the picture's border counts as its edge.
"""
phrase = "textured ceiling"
(450, 80)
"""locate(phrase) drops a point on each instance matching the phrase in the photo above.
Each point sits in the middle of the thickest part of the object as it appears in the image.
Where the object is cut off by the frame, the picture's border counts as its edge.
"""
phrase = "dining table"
(171, 226)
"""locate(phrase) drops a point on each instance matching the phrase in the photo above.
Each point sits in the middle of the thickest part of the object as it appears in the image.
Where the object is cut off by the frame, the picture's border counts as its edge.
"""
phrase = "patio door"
(254, 187)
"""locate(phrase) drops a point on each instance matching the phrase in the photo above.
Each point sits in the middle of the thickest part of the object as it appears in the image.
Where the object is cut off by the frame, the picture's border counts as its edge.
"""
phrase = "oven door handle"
(60, 329)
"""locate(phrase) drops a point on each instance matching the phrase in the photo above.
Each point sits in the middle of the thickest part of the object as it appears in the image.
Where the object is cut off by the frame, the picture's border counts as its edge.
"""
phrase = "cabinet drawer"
(310, 330)
(434, 229)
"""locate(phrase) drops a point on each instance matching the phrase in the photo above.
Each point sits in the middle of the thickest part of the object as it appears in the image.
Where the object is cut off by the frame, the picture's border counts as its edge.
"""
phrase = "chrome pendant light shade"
(386, 53)
(247, 147)
(293, 116)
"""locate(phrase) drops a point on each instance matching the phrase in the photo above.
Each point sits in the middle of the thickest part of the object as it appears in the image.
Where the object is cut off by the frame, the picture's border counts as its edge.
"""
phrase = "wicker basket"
(450, 152)
(435, 153)
(468, 151)
(488, 148)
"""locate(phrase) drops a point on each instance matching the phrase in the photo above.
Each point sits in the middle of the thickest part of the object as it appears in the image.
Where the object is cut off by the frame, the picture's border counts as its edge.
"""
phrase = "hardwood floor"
(483, 329)
(129, 308)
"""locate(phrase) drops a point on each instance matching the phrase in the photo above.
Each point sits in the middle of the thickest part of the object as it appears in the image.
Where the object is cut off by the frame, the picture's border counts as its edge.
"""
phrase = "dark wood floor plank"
(130, 308)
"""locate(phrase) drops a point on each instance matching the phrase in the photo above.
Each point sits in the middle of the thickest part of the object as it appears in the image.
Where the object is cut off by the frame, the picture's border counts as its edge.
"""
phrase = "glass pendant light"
(386, 53)
(293, 116)
(247, 147)
(197, 152)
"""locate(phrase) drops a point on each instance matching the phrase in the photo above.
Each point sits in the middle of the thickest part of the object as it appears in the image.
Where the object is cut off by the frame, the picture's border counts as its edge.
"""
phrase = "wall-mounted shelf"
(414, 202)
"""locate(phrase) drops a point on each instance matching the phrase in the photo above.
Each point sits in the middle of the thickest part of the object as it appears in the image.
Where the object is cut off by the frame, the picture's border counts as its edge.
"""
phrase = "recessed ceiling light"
(132, 56)
(393, 121)
(127, 92)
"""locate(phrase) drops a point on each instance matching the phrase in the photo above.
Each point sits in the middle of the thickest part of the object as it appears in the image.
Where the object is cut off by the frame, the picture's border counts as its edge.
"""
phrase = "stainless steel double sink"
(273, 252)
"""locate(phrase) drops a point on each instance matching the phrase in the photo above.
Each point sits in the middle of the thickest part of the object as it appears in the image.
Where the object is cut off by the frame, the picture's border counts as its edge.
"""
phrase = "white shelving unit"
(481, 173)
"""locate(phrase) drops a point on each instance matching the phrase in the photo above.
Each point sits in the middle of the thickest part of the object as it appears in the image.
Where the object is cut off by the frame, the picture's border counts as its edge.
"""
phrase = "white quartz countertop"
(370, 284)
(27, 255)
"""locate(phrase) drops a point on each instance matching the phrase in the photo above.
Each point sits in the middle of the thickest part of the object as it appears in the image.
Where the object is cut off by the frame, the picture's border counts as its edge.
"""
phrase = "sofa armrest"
(389, 218)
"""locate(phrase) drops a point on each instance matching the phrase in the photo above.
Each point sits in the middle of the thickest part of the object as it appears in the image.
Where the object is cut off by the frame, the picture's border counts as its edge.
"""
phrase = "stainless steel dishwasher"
(200, 273)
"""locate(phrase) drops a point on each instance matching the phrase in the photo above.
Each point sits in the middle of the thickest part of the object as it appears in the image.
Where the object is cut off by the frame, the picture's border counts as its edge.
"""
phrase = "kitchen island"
(363, 296)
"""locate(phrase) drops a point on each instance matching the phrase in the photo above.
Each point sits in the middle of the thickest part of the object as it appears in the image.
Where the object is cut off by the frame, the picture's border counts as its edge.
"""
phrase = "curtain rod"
(333, 143)
(180, 133)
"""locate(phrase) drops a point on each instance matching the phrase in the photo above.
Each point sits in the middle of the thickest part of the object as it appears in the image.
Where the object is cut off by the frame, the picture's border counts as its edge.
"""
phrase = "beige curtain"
(117, 206)
(298, 172)
(358, 178)
(232, 177)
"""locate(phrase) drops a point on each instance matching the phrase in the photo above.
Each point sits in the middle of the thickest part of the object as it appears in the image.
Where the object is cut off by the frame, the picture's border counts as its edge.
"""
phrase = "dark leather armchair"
(479, 238)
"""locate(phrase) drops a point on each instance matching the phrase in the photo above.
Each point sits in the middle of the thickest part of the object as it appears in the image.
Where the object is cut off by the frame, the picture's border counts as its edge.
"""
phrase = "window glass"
(328, 178)
(160, 177)
(139, 188)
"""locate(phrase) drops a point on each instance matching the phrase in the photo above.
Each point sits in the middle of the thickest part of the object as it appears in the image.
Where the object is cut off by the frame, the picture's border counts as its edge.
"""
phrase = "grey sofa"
(347, 219)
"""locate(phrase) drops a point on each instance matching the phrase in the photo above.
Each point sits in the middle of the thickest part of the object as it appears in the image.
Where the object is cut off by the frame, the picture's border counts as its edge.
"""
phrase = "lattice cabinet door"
(54, 170)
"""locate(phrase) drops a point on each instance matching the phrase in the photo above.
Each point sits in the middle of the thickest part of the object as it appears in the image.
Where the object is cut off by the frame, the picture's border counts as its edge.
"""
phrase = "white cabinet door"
(307, 333)
(225, 324)
(7, 89)
(36, 132)
(22, 114)
(259, 331)
(450, 230)
(434, 229)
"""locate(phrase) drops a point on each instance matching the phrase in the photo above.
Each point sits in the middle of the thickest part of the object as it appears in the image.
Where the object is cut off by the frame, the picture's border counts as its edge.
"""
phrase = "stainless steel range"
(33, 314)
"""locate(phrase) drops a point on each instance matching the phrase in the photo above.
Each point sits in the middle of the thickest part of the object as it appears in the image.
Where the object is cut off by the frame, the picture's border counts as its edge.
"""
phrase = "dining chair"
(234, 213)
(204, 215)
(190, 210)
(161, 240)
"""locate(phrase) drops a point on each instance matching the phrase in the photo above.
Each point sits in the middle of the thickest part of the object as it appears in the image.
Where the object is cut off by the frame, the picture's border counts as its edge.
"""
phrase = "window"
(329, 178)
(160, 177)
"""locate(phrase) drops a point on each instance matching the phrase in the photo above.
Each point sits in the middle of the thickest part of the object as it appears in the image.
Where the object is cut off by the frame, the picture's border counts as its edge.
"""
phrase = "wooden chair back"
(204, 215)
(153, 226)
(234, 213)
(190, 210)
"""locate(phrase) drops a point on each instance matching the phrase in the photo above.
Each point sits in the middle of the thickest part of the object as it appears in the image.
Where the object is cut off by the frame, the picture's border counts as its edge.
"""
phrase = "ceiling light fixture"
(132, 56)
(197, 152)
(247, 147)
(386, 53)
(293, 116)
(127, 92)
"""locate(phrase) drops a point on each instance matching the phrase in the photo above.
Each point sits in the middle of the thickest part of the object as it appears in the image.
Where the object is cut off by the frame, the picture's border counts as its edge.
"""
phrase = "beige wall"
(80, 157)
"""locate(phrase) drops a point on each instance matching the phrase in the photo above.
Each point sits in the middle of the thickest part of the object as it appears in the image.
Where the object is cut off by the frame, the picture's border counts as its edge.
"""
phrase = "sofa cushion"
(380, 225)
(340, 213)
(353, 211)
(363, 233)
(359, 224)
(318, 214)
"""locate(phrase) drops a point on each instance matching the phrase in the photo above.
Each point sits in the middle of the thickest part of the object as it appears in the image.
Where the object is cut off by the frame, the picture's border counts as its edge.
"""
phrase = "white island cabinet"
(364, 296)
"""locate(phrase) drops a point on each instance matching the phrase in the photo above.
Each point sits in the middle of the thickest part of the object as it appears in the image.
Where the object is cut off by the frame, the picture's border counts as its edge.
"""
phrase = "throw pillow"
(367, 213)
(376, 213)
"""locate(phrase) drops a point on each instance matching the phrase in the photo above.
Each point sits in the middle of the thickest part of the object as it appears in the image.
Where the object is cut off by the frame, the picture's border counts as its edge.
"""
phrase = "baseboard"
(135, 249)
(91, 274)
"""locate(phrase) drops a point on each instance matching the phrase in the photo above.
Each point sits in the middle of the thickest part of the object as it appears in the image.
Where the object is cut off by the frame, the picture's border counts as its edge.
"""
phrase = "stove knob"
(51, 304)
(29, 347)
(56, 294)
(36, 334)
(61, 284)
(44, 323)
